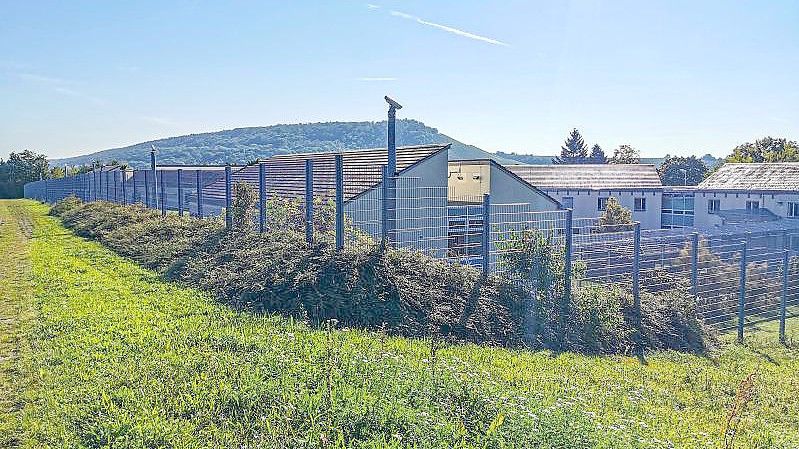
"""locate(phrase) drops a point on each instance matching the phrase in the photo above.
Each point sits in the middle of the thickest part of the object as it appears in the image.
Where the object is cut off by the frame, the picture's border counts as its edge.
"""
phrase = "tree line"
(678, 170)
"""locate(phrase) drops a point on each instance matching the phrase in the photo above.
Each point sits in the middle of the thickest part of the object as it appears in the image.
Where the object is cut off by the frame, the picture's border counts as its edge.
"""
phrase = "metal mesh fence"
(734, 278)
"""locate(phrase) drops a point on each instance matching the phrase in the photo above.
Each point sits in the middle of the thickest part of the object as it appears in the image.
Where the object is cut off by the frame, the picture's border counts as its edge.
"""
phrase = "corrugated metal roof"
(589, 176)
(782, 176)
(362, 171)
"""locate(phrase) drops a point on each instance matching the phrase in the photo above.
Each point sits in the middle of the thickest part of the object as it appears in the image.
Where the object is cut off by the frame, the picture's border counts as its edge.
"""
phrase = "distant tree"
(767, 149)
(678, 171)
(56, 172)
(573, 151)
(615, 217)
(625, 154)
(21, 168)
(598, 155)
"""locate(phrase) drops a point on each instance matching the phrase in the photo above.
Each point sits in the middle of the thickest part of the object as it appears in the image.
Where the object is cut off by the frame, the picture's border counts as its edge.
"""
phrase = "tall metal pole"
(261, 196)
(147, 188)
(695, 264)
(742, 295)
(309, 201)
(228, 197)
(567, 256)
(153, 166)
(160, 182)
(180, 191)
(786, 266)
(636, 275)
(485, 246)
(124, 187)
(198, 173)
(339, 201)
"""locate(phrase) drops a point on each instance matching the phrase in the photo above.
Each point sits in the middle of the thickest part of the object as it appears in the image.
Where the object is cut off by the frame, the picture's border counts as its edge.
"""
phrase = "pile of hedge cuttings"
(397, 291)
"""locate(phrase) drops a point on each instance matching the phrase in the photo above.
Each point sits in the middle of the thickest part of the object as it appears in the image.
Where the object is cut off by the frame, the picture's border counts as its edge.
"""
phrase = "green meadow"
(96, 351)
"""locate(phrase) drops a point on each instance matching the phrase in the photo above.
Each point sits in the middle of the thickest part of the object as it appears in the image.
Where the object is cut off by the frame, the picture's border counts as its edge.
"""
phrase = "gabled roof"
(362, 169)
(781, 176)
(589, 176)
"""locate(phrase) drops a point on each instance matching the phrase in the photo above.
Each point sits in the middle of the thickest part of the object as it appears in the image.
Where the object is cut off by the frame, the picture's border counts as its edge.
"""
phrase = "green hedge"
(398, 291)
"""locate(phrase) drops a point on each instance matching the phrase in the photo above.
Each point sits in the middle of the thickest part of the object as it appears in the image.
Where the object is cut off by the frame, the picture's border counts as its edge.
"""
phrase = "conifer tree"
(598, 155)
(573, 151)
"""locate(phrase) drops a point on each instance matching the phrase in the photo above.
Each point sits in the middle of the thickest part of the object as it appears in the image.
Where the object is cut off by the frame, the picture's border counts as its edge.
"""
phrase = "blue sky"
(675, 77)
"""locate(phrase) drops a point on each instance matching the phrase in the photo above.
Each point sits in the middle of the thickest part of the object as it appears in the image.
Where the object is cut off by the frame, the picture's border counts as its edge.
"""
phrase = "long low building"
(585, 188)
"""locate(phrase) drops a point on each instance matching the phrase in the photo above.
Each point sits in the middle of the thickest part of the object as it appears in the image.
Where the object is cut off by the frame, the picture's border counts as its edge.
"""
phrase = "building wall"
(585, 203)
(777, 203)
(421, 207)
(470, 180)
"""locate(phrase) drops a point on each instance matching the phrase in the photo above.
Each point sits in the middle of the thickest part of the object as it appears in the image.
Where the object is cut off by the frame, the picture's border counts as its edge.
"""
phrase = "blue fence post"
(742, 294)
(153, 167)
(228, 198)
(485, 247)
(384, 206)
(567, 256)
(124, 187)
(339, 201)
(163, 192)
(46, 190)
(261, 196)
(97, 184)
(786, 266)
(309, 201)
(107, 186)
(146, 188)
(199, 194)
(695, 264)
(636, 275)
(116, 182)
(180, 191)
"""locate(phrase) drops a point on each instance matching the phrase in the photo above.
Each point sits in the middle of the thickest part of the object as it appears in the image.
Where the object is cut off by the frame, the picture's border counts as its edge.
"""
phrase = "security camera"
(393, 103)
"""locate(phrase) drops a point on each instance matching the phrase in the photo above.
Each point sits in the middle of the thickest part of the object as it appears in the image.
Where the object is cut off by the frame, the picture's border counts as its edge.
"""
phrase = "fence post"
(695, 265)
(339, 201)
(485, 247)
(116, 182)
(261, 196)
(199, 194)
(786, 266)
(153, 167)
(309, 201)
(636, 275)
(567, 256)
(228, 198)
(147, 188)
(384, 206)
(124, 188)
(133, 183)
(180, 192)
(163, 192)
(742, 294)
(46, 190)
(107, 186)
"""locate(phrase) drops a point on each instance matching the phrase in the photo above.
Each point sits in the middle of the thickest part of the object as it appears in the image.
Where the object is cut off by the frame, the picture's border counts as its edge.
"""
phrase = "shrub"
(400, 291)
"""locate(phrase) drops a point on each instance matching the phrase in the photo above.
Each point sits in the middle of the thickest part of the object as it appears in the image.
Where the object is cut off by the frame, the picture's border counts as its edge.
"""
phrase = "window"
(601, 203)
(753, 206)
(568, 202)
(640, 204)
(793, 210)
(713, 206)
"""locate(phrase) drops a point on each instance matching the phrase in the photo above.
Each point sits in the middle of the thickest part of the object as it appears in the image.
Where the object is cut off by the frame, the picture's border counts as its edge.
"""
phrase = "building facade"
(586, 188)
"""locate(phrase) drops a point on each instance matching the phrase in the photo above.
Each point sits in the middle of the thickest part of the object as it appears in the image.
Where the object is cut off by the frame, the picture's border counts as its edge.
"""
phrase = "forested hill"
(241, 145)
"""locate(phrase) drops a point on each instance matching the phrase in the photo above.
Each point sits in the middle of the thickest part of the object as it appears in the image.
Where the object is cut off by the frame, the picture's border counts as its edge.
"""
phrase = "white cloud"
(61, 86)
(449, 29)
(376, 78)
(372, 6)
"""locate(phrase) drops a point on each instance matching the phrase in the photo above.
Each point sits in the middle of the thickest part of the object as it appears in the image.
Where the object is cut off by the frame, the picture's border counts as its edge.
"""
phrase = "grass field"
(98, 352)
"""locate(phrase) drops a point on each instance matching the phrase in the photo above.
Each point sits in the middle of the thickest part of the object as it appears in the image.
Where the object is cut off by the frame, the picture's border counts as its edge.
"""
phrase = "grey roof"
(362, 169)
(589, 176)
(781, 176)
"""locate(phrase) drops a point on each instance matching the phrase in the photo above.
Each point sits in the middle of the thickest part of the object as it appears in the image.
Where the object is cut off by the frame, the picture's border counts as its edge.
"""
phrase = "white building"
(585, 188)
(747, 193)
